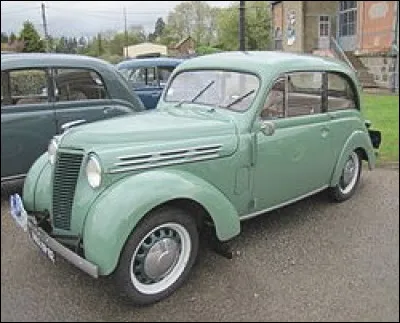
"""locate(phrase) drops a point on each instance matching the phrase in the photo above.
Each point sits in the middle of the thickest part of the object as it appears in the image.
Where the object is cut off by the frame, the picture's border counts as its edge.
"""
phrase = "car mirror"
(267, 127)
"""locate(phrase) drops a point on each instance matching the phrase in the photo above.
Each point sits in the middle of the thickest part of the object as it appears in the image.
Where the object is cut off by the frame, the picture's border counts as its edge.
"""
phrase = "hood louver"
(166, 158)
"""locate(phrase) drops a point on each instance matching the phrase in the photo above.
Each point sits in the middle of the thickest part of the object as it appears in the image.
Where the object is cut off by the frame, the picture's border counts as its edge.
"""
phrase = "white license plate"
(42, 246)
(18, 212)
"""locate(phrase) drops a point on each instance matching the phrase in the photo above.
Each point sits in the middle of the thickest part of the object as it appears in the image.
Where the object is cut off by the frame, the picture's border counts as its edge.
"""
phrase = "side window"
(340, 93)
(78, 84)
(304, 93)
(142, 77)
(274, 106)
(25, 87)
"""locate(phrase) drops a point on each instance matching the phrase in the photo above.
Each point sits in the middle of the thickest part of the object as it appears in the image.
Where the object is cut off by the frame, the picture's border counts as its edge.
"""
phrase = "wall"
(313, 9)
(376, 26)
(145, 48)
(293, 33)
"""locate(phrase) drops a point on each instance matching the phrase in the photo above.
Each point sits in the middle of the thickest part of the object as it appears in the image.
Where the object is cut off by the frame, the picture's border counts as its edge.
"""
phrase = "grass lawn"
(383, 112)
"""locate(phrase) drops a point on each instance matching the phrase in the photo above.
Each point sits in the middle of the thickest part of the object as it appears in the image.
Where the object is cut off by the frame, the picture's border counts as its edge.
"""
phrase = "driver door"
(296, 159)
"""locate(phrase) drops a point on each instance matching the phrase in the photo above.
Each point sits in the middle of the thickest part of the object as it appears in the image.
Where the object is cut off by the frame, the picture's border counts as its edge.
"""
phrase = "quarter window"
(78, 84)
(340, 93)
(274, 106)
(304, 93)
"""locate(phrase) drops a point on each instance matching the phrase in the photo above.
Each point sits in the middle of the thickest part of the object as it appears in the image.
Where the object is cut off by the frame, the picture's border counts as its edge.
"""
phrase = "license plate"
(42, 245)
(18, 212)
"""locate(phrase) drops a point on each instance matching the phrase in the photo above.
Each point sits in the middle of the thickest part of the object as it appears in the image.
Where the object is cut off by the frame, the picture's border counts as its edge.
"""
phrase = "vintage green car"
(235, 135)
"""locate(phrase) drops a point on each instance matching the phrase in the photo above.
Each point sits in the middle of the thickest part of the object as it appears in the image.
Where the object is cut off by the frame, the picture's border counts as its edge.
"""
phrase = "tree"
(191, 18)
(4, 37)
(31, 38)
(258, 30)
(12, 38)
(158, 30)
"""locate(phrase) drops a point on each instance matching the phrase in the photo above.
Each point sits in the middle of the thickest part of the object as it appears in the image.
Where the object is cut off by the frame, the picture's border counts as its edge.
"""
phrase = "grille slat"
(65, 178)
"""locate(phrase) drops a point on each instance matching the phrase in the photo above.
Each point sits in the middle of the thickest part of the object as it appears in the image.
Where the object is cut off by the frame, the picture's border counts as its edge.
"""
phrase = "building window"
(278, 39)
(324, 26)
(347, 18)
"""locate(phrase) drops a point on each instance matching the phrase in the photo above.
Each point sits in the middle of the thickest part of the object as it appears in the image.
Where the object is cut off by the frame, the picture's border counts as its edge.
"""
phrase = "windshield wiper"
(240, 98)
(202, 91)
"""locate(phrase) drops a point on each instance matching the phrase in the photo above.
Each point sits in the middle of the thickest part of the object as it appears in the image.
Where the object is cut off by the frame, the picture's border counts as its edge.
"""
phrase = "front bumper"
(43, 240)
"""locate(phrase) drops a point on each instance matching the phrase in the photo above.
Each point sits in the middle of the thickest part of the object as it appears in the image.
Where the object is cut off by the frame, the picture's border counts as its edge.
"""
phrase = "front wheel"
(158, 256)
(349, 179)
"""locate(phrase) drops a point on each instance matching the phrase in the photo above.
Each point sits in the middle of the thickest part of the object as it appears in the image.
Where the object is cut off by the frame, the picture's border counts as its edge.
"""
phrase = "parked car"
(148, 76)
(234, 136)
(42, 92)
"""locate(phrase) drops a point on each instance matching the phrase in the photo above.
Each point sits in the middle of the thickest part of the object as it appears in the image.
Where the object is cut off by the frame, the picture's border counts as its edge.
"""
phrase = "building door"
(348, 25)
(324, 32)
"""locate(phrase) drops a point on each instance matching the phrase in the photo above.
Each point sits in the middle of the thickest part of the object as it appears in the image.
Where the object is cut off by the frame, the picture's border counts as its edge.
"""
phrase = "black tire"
(346, 188)
(175, 232)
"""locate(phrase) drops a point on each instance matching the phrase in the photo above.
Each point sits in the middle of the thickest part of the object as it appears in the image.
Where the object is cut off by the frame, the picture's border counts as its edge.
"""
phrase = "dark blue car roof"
(148, 62)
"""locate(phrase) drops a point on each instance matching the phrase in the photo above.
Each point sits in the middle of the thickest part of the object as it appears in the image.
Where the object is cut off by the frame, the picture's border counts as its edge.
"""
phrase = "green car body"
(39, 94)
(218, 164)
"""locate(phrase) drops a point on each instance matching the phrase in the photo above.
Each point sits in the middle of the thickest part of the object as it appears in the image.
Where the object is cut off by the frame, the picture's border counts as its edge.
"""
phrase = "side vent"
(166, 158)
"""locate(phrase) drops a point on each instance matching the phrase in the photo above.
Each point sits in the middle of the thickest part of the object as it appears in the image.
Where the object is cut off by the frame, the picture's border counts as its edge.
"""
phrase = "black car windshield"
(225, 89)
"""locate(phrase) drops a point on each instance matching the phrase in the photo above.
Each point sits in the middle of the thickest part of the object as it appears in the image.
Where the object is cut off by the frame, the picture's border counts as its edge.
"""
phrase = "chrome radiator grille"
(66, 174)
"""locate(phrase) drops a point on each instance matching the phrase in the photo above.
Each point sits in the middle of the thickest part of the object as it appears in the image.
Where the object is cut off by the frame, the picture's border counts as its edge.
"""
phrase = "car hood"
(156, 137)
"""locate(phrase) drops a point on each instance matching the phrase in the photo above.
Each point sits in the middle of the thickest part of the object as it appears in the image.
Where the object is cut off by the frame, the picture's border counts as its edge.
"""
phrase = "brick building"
(363, 33)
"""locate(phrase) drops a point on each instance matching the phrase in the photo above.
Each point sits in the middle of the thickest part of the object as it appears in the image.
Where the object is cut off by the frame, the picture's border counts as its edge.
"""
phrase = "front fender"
(36, 191)
(358, 140)
(116, 212)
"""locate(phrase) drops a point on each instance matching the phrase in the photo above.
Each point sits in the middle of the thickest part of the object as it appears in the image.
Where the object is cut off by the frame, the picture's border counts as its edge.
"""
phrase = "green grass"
(383, 112)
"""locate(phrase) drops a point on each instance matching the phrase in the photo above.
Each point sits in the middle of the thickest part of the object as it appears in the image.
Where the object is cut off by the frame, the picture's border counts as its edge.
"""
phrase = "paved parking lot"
(311, 261)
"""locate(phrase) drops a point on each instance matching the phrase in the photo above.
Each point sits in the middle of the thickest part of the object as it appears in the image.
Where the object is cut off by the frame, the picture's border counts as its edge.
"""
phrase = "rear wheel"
(349, 179)
(158, 256)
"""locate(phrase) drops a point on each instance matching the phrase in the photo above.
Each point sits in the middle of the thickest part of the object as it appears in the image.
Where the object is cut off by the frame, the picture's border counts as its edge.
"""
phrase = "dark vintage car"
(148, 76)
(42, 92)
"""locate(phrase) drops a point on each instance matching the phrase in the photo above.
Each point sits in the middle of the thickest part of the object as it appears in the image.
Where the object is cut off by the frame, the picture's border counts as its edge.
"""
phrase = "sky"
(86, 18)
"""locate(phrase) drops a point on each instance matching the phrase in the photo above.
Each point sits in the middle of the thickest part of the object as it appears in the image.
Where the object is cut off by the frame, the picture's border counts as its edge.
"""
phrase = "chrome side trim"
(13, 178)
(168, 156)
(168, 152)
(166, 163)
(252, 215)
(64, 252)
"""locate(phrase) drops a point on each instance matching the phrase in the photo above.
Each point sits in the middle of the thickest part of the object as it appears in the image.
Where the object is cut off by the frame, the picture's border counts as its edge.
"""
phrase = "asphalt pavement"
(311, 261)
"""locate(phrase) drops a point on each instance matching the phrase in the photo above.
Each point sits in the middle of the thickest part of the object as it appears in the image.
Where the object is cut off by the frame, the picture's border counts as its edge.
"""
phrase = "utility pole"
(126, 35)
(242, 36)
(46, 34)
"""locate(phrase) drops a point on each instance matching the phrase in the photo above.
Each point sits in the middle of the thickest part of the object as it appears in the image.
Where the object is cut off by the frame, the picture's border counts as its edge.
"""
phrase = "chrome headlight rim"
(52, 150)
(93, 171)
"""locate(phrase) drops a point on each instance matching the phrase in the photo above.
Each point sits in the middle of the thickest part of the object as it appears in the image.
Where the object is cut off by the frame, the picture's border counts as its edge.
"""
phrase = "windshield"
(224, 89)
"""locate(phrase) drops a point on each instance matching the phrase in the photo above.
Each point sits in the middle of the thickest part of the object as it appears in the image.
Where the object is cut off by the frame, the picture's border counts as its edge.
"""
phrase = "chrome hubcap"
(160, 258)
(350, 173)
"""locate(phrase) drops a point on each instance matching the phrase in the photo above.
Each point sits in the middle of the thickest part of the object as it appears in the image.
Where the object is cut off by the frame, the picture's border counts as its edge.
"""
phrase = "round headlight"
(93, 171)
(52, 151)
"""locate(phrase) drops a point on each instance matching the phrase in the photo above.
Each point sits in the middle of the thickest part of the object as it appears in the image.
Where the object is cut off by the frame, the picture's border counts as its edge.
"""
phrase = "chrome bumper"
(61, 250)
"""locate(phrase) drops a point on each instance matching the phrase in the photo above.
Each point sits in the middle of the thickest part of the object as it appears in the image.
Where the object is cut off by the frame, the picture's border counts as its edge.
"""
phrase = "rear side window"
(340, 93)
(78, 84)
(140, 77)
(24, 87)
(304, 93)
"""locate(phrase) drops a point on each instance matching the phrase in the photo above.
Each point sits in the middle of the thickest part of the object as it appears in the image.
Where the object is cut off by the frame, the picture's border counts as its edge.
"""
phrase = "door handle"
(107, 110)
(155, 94)
(325, 132)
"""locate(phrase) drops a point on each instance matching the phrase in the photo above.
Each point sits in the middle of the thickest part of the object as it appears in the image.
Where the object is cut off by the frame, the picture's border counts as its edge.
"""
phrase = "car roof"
(148, 62)
(266, 62)
(24, 60)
